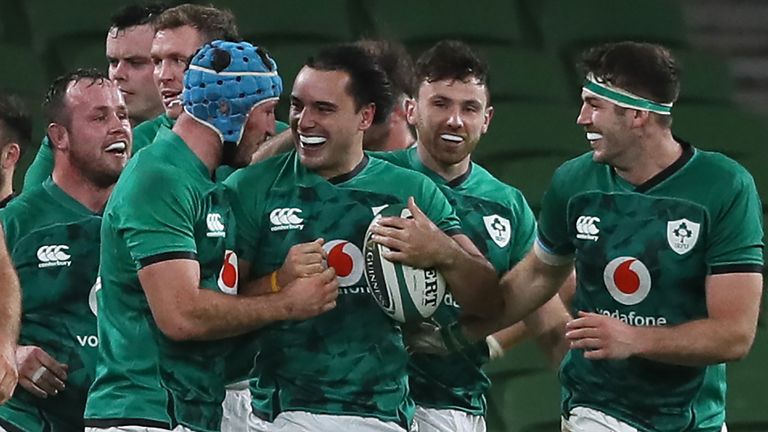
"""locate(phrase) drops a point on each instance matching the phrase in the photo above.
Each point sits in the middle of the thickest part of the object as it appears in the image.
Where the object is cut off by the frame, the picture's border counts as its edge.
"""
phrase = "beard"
(97, 172)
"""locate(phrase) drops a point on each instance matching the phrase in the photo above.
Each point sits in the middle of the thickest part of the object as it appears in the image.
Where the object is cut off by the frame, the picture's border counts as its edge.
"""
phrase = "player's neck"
(203, 142)
(6, 188)
(447, 171)
(81, 189)
(352, 160)
(654, 154)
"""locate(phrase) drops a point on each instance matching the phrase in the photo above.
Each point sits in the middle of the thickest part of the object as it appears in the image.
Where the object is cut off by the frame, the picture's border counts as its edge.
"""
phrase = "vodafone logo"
(628, 280)
(229, 274)
(346, 259)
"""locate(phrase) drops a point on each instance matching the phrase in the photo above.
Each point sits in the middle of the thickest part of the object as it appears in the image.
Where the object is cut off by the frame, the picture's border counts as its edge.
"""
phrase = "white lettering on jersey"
(90, 340)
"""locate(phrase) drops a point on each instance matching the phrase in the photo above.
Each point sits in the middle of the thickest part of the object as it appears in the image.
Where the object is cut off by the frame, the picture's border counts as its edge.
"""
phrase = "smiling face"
(130, 67)
(97, 139)
(450, 117)
(171, 52)
(608, 130)
(327, 126)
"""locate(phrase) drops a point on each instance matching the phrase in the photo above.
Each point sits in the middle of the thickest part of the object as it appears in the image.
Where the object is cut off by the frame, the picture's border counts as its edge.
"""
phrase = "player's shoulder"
(28, 204)
(583, 164)
(399, 158)
(491, 188)
(392, 170)
(718, 168)
(260, 173)
(151, 126)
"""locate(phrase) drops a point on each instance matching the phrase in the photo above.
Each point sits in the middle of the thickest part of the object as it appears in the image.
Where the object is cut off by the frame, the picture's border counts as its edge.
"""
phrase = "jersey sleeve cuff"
(735, 268)
(453, 231)
(550, 258)
(166, 256)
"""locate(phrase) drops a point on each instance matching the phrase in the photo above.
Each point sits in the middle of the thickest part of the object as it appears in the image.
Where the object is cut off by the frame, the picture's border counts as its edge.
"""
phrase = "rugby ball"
(405, 293)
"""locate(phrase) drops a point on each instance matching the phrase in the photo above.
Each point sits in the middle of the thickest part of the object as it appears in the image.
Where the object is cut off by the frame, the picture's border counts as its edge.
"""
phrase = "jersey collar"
(667, 172)
(65, 199)
(341, 178)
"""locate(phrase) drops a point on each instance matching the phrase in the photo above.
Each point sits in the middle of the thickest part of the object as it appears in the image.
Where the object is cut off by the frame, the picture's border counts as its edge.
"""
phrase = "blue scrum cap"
(225, 81)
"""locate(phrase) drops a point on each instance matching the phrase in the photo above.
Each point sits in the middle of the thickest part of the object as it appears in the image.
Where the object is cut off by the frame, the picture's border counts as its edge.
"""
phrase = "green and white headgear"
(623, 98)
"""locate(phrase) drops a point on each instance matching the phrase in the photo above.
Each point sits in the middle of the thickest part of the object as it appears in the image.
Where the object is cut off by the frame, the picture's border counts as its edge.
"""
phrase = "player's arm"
(303, 260)
(546, 325)
(10, 315)
(185, 311)
(528, 286)
(280, 143)
(733, 303)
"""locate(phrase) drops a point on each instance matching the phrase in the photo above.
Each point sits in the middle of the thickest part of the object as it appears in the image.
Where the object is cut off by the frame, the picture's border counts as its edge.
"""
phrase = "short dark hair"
(54, 106)
(15, 121)
(136, 14)
(646, 69)
(396, 62)
(368, 82)
(452, 60)
(212, 23)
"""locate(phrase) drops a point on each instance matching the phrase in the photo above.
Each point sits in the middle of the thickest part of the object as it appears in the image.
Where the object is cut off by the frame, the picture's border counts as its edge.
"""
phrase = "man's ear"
(367, 112)
(58, 136)
(410, 111)
(10, 155)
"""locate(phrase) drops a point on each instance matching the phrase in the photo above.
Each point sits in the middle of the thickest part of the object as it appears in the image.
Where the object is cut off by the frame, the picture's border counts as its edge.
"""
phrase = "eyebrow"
(325, 104)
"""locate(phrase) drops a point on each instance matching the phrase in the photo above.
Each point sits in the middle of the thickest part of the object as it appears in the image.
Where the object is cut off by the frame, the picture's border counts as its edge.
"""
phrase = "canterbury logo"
(586, 228)
(215, 227)
(286, 219)
(53, 256)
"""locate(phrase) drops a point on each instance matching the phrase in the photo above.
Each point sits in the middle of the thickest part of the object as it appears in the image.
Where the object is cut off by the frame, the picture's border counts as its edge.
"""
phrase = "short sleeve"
(435, 205)
(553, 220)
(524, 229)
(156, 226)
(736, 233)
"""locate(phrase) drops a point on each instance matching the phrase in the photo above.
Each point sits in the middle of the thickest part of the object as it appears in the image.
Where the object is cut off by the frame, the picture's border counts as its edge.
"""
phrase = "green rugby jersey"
(40, 168)
(351, 360)
(709, 407)
(53, 241)
(164, 207)
(642, 255)
(145, 132)
(501, 224)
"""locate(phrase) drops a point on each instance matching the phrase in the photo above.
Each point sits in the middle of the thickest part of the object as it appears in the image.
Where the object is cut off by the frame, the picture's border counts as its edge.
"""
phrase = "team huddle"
(187, 263)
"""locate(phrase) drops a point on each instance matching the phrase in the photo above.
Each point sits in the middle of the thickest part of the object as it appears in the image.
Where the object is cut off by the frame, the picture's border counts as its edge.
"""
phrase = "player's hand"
(308, 297)
(303, 260)
(39, 373)
(415, 241)
(601, 337)
(8, 374)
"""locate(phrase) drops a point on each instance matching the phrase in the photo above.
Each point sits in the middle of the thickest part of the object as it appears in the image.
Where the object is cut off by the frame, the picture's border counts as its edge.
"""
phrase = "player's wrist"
(495, 350)
(446, 253)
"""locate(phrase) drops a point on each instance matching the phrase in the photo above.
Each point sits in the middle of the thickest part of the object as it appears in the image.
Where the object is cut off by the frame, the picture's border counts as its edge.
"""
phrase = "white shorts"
(236, 408)
(256, 424)
(583, 419)
(301, 421)
(447, 420)
(136, 429)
